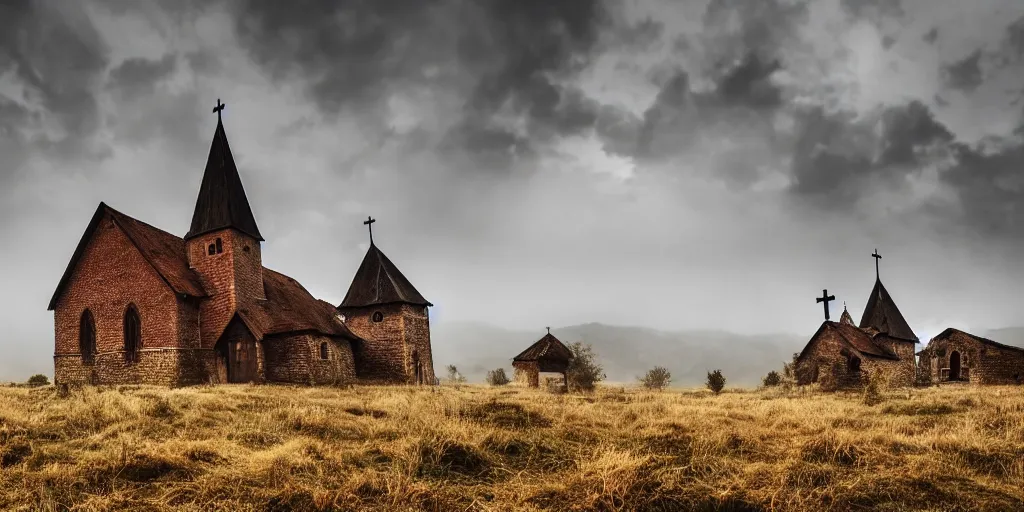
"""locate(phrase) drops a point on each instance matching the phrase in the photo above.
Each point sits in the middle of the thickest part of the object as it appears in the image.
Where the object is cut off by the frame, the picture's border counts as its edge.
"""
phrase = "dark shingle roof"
(882, 314)
(946, 333)
(164, 251)
(222, 202)
(864, 341)
(378, 281)
(548, 348)
(290, 308)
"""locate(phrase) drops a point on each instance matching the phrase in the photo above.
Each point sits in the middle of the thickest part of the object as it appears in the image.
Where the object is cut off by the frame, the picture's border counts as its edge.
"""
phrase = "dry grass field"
(502, 449)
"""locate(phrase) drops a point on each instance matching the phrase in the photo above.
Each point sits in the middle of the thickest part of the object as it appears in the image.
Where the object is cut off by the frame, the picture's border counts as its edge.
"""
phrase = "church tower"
(387, 311)
(223, 244)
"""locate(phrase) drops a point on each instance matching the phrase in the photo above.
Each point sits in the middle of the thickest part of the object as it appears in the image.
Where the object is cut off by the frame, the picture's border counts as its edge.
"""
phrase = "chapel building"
(137, 304)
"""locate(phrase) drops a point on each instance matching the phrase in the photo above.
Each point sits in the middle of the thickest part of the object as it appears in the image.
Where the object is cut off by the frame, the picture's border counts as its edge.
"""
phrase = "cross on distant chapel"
(369, 223)
(220, 106)
(826, 298)
(877, 257)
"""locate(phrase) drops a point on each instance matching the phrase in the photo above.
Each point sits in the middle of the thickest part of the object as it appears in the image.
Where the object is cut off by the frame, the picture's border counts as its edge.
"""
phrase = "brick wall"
(233, 278)
(828, 350)
(985, 364)
(417, 340)
(296, 359)
(110, 275)
(383, 356)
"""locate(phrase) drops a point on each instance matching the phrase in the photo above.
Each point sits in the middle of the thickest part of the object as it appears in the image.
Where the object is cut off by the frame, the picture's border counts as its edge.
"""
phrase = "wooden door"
(241, 361)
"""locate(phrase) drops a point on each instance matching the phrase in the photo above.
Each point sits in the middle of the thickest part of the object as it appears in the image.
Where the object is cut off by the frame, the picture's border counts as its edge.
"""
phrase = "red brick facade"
(233, 278)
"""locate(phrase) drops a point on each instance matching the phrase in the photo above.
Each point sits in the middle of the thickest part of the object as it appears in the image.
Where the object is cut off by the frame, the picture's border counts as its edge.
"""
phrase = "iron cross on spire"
(369, 223)
(826, 298)
(549, 330)
(220, 106)
(877, 257)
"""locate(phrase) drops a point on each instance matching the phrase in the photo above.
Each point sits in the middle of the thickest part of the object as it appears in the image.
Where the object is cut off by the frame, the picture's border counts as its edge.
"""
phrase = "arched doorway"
(954, 366)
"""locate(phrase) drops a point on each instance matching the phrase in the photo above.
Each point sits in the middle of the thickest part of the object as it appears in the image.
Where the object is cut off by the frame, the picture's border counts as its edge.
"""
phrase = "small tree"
(497, 377)
(657, 378)
(716, 381)
(772, 379)
(584, 372)
(454, 376)
(38, 380)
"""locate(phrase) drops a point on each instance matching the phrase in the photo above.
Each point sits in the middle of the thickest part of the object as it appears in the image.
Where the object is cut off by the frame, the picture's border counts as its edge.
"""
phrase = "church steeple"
(882, 314)
(222, 203)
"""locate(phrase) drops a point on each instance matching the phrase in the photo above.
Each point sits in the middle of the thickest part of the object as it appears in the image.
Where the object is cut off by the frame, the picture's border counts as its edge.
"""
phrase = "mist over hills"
(625, 352)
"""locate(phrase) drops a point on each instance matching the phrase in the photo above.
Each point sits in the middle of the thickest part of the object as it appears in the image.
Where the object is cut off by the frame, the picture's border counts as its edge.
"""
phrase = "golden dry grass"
(476, 448)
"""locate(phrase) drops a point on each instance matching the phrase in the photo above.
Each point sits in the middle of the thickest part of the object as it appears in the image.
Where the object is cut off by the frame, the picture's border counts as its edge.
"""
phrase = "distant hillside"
(625, 352)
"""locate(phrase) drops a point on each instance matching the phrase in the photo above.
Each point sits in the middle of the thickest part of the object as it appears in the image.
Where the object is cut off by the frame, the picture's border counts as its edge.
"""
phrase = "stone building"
(883, 341)
(957, 356)
(137, 304)
(547, 355)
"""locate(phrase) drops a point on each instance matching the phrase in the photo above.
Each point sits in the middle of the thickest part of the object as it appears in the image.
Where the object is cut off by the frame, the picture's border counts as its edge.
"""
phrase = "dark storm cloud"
(965, 74)
(835, 156)
(749, 84)
(990, 186)
(931, 36)
(58, 57)
(873, 8)
(137, 76)
(508, 57)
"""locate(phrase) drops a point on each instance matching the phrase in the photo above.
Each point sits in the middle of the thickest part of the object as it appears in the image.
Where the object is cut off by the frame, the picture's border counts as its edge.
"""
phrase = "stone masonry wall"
(296, 359)
(381, 358)
(526, 374)
(233, 278)
(986, 364)
(110, 275)
(417, 340)
(826, 352)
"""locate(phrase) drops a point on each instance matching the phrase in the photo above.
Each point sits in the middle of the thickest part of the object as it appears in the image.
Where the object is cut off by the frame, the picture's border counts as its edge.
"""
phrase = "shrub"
(716, 381)
(454, 376)
(772, 379)
(584, 372)
(38, 380)
(497, 377)
(872, 396)
(657, 378)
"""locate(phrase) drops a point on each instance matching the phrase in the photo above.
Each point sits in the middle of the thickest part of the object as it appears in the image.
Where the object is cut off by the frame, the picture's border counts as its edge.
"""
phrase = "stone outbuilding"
(137, 304)
(958, 356)
(547, 355)
(883, 341)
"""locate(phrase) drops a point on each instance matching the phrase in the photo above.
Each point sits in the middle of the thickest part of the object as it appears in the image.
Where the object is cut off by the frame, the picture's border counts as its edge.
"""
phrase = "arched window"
(323, 351)
(378, 316)
(87, 337)
(132, 334)
(853, 364)
(210, 251)
(220, 248)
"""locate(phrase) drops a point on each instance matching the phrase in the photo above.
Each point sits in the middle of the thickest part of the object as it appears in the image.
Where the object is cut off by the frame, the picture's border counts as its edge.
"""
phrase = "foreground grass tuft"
(500, 448)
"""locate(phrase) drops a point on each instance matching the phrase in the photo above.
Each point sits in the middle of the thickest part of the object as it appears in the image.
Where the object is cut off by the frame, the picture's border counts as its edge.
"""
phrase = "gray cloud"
(965, 74)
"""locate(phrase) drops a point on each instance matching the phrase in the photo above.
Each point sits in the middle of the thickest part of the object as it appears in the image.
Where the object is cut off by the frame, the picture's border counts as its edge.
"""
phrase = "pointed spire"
(378, 281)
(222, 202)
(846, 318)
(882, 314)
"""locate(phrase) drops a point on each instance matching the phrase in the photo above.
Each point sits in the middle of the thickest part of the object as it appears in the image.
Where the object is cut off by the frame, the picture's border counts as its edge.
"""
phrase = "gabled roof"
(882, 314)
(378, 281)
(164, 251)
(949, 331)
(222, 202)
(548, 348)
(290, 308)
(861, 340)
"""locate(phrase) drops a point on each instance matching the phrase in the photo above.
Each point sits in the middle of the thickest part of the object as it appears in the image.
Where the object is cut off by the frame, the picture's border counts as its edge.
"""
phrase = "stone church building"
(882, 341)
(957, 356)
(140, 305)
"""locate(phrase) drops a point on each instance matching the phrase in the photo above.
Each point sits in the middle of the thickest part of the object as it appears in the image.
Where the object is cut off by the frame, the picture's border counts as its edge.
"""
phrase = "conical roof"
(846, 318)
(378, 281)
(222, 202)
(548, 347)
(882, 314)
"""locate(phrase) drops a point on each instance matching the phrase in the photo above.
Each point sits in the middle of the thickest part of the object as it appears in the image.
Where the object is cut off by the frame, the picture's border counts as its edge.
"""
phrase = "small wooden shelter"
(547, 355)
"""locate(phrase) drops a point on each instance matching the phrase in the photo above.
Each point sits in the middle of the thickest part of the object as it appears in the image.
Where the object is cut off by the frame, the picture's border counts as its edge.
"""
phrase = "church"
(851, 353)
(139, 305)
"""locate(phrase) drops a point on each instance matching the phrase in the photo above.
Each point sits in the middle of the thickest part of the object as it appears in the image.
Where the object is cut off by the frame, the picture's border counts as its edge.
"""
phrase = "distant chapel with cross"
(137, 304)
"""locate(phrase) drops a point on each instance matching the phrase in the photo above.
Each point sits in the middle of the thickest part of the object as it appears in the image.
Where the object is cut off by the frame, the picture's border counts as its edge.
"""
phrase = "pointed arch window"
(132, 334)
(323, 351)
(87, 337)
(378, 316)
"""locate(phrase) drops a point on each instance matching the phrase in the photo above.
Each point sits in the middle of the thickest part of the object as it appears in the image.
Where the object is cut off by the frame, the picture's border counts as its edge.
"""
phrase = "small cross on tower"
(826, 298)
(220, 106)
(369, 223)
(877, 257)
(549, 330)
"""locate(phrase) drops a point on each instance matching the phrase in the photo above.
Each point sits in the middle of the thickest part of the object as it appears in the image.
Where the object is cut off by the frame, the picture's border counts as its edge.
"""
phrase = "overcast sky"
(662, 163)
